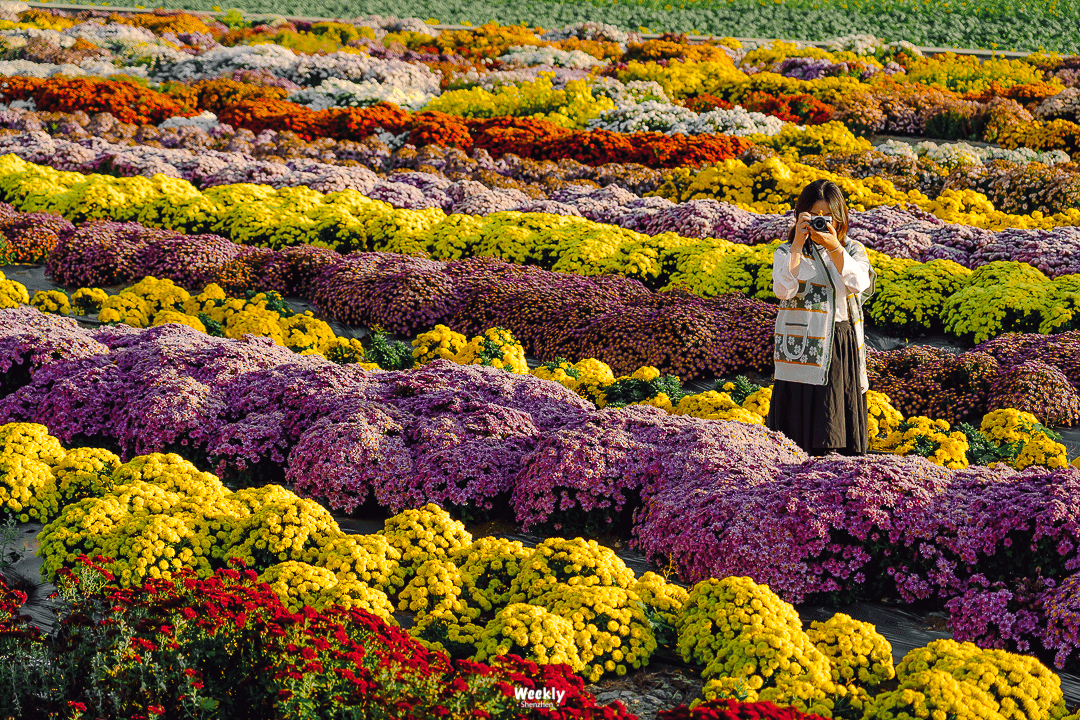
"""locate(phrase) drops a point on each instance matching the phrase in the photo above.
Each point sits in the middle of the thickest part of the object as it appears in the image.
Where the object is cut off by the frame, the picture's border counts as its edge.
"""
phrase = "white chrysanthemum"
(737, 121)
(643, 117)
(554, 57)
(591, 31)
(98, 68)
(896, 147)
(205, 121)
(335, 92)
(630, 93)
(17, 37)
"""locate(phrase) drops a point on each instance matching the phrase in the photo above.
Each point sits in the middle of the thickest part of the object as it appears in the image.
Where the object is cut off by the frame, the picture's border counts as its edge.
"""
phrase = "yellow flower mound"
(87, 300)
(561, 371)
(882, 418)
(759, 402)
(367, 559)
(160, 294)
(355, 594)
(51, 301)
(164, 317)
(126, 308)
(298, 584)
(666, 599)
(28, 454)
(435, 587)
(12, 294)
(711, 269)
(750, 639)
(531, 632)
(593, 375)
(278, 526)
(81, 473)
(772, 185)
(255, 320)
(344, 351)
(211, 297)
(149, 531)
(306, 334)
(571, 107)
(793, 142)
(443, 632)
(949, 449)
(421, 535)
(951, 679)
(441, 343)
(496, 348)
(967, 73)
(645, 373)
(572, 562)
(1008, 426)
(488, 567)
(713, 405)
(857, 652)
(610, 628)
(914, 302)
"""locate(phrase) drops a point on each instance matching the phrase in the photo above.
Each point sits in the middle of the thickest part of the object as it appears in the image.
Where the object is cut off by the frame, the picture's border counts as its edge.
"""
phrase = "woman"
(822, 279)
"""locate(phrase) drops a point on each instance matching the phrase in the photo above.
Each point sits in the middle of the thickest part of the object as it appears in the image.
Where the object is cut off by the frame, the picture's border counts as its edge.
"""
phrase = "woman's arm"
(784, 284)
(854, 270)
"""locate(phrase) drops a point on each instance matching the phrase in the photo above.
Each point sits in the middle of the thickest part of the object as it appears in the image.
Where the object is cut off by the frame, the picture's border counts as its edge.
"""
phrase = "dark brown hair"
(828, 191)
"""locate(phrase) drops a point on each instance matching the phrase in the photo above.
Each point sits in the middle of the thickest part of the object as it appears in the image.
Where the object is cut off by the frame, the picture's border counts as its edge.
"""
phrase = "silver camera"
(820, 222)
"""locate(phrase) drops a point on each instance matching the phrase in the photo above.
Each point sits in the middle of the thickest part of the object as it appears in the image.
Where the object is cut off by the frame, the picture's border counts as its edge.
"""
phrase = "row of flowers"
(1011, 435)
(226, 645)
(913, 297)
(707, 498)
(354, 67)
(564, 602)
(546, 312)
(767, 185)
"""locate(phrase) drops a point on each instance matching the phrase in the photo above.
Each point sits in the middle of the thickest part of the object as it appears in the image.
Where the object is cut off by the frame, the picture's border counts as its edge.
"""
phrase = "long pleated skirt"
(830, 417)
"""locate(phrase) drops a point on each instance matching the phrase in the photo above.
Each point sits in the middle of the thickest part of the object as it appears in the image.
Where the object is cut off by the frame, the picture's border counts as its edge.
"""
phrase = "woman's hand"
(802, 231)
(825, 238)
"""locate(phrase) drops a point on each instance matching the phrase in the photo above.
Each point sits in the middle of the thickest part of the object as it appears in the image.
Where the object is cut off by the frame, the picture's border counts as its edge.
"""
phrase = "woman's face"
(821, 207)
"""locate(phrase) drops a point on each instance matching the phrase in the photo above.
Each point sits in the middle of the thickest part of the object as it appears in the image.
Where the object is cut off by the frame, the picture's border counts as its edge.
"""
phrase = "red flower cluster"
(525, 137)
(728, 709)
(229, 643)
(127, 101)
(801, 109)
(705, 102)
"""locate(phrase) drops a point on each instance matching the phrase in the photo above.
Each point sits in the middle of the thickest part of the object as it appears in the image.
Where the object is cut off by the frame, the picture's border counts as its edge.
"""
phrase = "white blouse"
(855, 278)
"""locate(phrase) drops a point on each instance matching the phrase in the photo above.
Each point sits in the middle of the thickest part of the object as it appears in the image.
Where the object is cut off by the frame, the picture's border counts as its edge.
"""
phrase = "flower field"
(539, 267)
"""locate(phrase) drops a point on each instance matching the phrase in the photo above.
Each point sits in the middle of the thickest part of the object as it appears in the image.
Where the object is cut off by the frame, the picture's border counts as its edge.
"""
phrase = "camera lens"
(820, 222)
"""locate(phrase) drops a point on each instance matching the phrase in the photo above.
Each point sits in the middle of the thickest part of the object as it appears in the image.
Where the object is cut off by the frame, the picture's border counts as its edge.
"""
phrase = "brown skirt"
(830, 417)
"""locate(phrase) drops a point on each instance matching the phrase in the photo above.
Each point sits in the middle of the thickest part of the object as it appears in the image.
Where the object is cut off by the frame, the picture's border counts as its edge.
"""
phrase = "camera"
(820, 222)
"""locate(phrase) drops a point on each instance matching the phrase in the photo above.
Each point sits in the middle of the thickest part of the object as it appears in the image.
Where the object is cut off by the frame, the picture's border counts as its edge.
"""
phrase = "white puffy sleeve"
(783, 282)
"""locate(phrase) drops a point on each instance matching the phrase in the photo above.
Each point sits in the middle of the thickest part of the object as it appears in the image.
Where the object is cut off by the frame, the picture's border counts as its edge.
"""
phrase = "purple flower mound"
(402, 293)
(156, 390)
(191, 261)
(30, 339)
(1061, 351)
(592, 475)
(442, 433)
(589, 475)
(1038, 388)
(805, 68)
(807, 528)
(100, 254)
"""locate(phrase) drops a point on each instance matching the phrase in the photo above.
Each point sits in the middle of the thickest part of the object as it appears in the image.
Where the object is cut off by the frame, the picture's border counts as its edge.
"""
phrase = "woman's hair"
(828, 191)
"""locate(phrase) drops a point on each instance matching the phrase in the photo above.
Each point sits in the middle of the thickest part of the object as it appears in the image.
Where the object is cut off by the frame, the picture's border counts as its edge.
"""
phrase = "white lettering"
(520, 693)
(559, 695)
